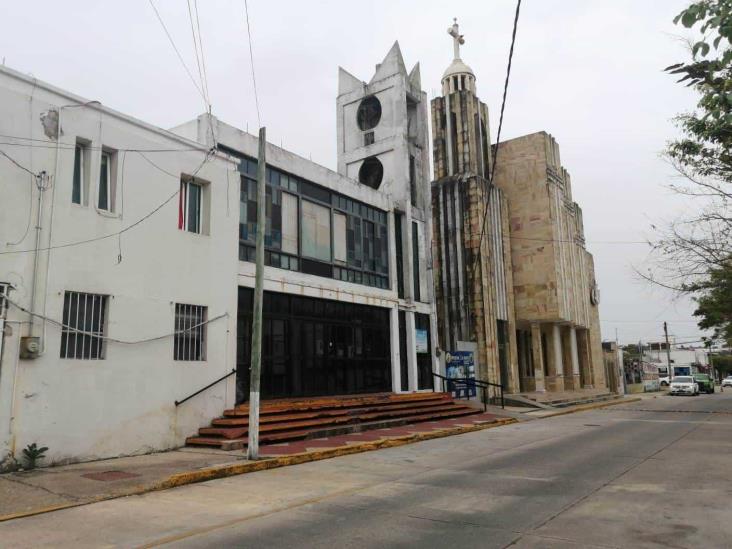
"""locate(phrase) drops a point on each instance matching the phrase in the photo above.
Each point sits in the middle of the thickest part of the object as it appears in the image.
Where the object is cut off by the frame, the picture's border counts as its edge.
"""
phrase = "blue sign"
(460, 365)
(421, 341)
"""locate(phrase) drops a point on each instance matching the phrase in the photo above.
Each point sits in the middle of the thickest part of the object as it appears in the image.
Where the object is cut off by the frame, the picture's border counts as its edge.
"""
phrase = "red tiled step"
(241, 419)
(349, 401)
(275, 436)
(240, 431)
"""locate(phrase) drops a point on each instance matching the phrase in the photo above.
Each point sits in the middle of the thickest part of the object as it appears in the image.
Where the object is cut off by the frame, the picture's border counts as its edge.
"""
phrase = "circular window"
(371, 172)
(369, 113)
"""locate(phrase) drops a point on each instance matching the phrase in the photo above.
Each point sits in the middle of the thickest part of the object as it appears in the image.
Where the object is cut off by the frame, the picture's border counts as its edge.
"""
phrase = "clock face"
(594, 294)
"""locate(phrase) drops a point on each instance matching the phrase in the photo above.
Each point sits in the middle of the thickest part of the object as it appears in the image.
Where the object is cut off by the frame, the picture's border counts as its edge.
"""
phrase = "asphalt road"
(650, 474)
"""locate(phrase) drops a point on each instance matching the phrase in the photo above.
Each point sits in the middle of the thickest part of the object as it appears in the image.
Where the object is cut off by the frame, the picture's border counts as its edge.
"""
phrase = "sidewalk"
(52, 488)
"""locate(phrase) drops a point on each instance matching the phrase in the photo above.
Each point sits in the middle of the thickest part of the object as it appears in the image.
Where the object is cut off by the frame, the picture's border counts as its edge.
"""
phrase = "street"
(653, 473)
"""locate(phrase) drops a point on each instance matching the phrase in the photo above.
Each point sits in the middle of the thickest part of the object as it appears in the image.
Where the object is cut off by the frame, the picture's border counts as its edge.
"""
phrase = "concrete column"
(537, 357)
(411, 351)
(572, 377)
(583, 351)
(395, 356)
(555, 380)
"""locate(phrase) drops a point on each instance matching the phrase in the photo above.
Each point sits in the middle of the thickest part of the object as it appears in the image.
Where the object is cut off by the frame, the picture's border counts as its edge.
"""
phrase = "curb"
(234, 469)
(591, 406)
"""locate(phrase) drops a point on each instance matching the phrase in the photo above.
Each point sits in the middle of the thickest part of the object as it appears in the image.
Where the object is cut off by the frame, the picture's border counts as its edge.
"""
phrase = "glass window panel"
(289, 223)
(104, 168)
(78, 174)
(194, 208)
(339, 237)
(315, 231)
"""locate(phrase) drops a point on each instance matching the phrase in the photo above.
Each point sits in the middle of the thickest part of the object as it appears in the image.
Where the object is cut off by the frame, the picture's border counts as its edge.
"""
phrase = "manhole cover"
(106, 476)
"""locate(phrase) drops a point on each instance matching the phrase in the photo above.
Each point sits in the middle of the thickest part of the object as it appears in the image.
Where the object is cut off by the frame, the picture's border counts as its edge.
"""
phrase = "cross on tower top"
(457, 38)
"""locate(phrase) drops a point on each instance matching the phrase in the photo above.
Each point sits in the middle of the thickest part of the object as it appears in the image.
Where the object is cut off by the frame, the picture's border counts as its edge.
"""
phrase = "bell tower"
(382, 130)
(383, 143)
(460, 120)
(472, 270)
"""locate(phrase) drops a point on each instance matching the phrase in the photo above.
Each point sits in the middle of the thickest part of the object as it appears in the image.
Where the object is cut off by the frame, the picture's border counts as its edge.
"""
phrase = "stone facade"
(554, 284)
(512, 275)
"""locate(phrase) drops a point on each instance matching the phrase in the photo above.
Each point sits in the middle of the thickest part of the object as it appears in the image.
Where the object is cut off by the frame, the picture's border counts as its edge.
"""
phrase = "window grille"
(190, 332)
(84, 321)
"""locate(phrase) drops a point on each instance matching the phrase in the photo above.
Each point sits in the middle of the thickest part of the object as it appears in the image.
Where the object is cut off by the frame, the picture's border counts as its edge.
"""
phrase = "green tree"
(694, 253)
(714, 303)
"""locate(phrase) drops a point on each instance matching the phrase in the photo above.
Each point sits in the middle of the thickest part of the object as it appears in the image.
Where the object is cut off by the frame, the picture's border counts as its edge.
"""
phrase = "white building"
(121, 239)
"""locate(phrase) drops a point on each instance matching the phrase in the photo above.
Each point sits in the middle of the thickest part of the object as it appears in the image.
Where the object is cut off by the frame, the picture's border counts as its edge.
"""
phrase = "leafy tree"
(694, 253)
(714, 303)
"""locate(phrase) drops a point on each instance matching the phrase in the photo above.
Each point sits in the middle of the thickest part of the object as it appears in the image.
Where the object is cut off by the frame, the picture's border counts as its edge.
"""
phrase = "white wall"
(87, 409)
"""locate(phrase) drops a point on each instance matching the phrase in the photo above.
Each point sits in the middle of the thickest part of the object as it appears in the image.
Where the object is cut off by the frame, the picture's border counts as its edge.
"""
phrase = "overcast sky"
(587, 71)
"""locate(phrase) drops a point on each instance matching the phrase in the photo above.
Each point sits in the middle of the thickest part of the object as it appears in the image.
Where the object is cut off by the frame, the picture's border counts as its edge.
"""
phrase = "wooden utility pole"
(256, 358)
(668, 353)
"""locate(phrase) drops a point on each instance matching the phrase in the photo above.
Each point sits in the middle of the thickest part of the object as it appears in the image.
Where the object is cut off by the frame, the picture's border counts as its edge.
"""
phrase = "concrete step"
(289, 406)
(242, 420)
(275, 437)
(294, 419)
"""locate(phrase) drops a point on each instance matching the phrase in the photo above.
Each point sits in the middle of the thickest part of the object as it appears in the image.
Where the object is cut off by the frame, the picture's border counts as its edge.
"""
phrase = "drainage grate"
(107, 476)
(592, 425)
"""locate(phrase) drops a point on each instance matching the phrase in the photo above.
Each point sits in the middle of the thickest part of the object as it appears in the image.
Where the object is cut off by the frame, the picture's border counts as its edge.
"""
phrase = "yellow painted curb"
(222, 471)
(591, 406)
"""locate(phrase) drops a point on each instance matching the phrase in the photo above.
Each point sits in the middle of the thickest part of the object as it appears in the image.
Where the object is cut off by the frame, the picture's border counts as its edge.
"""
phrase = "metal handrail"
(468, 382)
(222, 378)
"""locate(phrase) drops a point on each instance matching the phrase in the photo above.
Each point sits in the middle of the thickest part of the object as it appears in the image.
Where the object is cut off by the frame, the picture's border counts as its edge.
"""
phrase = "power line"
(498, 135)
(198, 60)
(203, 57)
(251, 61)
(180, 57)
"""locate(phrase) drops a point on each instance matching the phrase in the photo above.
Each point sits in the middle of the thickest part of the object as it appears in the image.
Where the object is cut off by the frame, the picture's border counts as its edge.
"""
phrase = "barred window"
(84, 322)
(190, 332)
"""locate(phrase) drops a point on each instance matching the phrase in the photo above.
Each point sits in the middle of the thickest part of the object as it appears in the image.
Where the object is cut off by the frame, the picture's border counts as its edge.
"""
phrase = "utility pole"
(668, 353)
(256, 358)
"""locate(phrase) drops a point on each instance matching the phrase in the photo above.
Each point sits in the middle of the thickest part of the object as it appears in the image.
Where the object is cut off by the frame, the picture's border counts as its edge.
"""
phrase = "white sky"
(587, 71)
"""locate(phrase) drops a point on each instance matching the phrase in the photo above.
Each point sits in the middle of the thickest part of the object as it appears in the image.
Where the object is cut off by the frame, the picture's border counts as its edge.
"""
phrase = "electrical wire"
(498, 135)
(180, 57)
(18, 164)
(208, 156)
(71, 146)
(203, 57)
(107, 338)
(251, 62)
(575, 242)
(198, 60)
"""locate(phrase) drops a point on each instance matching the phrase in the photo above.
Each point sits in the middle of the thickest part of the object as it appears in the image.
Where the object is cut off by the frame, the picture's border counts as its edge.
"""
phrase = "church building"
(514, 284)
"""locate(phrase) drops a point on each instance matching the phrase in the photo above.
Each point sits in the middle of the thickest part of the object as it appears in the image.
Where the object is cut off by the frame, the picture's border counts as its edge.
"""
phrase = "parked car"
(727, 381)
(664, 380)
(684, 385)
(705, 383)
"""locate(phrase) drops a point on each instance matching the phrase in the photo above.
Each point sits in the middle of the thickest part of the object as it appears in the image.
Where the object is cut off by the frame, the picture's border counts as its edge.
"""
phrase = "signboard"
(459, 364)
(421, 341)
